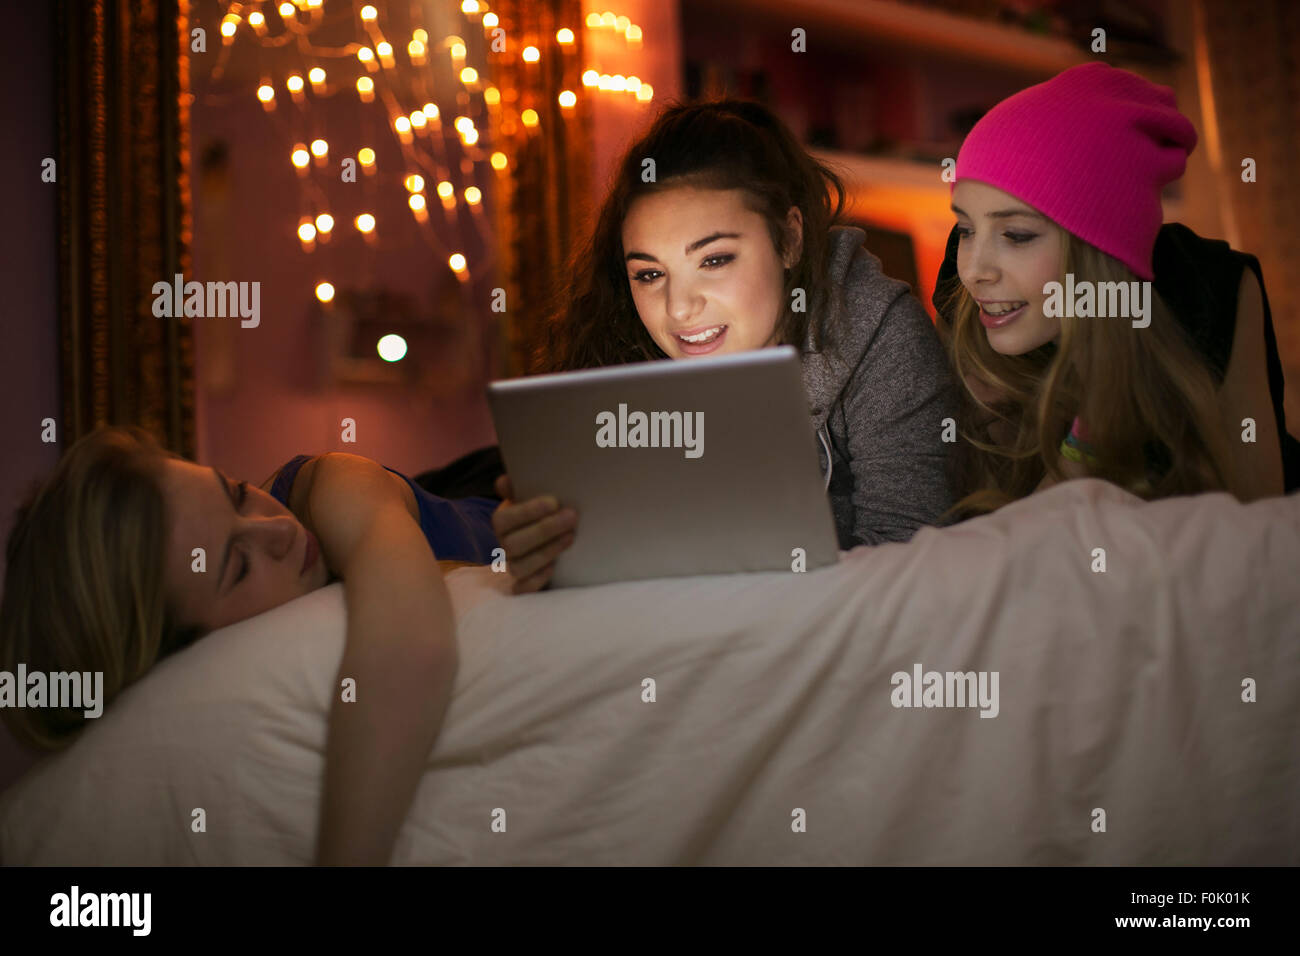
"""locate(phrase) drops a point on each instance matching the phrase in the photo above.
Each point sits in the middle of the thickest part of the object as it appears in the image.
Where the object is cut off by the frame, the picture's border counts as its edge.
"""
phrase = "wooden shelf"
(920, 27)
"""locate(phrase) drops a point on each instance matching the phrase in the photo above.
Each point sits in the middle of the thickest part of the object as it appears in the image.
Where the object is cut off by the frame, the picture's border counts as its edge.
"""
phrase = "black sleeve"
(947, 281)
(1200, 279)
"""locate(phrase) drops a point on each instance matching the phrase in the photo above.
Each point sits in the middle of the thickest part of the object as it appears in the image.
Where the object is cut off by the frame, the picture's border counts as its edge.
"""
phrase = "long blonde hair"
(84, 577)
(1144, 394)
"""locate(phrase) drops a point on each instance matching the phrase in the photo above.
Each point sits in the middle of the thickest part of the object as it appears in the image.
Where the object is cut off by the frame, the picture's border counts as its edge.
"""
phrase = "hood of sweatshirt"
(849, 326)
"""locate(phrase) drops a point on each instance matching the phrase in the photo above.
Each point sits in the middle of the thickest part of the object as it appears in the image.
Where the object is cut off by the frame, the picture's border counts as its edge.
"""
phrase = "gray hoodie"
(878, 392)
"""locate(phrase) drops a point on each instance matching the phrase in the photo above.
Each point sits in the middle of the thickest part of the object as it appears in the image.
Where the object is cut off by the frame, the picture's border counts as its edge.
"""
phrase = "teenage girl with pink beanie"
(1064, 179)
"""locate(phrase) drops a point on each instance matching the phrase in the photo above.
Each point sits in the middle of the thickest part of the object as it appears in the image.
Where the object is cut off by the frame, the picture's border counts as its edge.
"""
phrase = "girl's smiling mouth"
(701, 340)
(997, 314)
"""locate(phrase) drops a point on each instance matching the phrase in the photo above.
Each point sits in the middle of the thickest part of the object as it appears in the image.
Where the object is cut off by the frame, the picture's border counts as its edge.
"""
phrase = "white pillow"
(229, 726)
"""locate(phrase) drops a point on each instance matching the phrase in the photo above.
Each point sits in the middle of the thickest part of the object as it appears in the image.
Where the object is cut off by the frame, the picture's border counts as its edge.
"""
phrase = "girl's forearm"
(375, 755)
(401, 655)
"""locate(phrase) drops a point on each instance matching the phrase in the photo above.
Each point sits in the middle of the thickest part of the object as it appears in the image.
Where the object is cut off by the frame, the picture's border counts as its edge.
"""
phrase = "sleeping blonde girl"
(104, 574)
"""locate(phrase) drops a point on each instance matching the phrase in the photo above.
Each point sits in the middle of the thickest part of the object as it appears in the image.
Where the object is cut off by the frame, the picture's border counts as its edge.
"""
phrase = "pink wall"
(261, 399)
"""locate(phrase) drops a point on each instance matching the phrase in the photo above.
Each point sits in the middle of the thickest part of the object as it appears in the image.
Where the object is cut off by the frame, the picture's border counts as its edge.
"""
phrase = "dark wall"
(29, 363)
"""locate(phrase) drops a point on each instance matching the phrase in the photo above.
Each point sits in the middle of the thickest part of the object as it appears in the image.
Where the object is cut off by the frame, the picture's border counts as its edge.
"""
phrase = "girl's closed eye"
(1020, 238)
(243, 568)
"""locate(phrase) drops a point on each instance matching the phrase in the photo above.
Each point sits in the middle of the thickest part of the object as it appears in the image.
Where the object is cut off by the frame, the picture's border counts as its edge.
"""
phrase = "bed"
(1125, 730)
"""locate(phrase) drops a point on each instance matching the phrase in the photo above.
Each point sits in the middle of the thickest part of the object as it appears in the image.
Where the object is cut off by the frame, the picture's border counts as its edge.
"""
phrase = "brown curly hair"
(722, 144)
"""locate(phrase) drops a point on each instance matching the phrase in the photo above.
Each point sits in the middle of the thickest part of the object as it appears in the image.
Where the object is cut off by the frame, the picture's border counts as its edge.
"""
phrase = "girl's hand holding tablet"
(533, 533)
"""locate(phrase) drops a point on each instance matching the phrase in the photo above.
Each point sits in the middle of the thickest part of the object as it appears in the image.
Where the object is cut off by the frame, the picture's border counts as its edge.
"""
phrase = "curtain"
(122, 167)
(547, 194)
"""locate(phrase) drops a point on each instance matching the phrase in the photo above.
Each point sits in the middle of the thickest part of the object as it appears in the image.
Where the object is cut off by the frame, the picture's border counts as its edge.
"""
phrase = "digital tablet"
(695, 466)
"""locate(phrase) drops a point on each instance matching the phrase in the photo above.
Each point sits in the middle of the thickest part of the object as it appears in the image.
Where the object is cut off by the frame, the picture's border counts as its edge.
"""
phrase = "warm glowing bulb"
(365, 222)
(286, 10)
(564, 35)
(324, 291)
(422, 35)
(319, 147)
(528, 117)
(590, 78)
(645, 94)
(618, 83)
(413, 183)
(634, 34)
(306, 232)
(468, 75)
(415, 49)
(265, 93)
(255, 19)
(391, 348)
(567, 99)
(593, 21)
(384, 48)
(294, 82)
(531, 55)
(415, 201)
(316, 75)
(418, 119)
(445, 189)
(365, 54)
(604, 81)
(633, 84)
(463, 123)
(621, 24)
(491, 96)
(314, 4)
(402, 124)
(469, 137)
(473, 195)
(457, 262)
(458, 51)
(300, 156)
(366, 156)
(608, 19)
(469, 6)
(365, 85)
(489, 20)
(430, 112)
(499, 161)
(228, 28)
(324, 222)
(369, 13)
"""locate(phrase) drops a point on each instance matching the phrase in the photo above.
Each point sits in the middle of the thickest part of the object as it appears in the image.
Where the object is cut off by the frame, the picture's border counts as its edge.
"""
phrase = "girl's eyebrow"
(698, 243)
(1002, 213)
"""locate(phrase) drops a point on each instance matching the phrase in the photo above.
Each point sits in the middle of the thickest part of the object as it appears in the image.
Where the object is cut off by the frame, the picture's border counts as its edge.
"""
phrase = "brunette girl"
(733, 244)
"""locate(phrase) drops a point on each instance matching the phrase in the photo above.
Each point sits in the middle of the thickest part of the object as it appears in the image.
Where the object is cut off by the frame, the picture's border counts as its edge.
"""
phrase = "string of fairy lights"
(421, 83)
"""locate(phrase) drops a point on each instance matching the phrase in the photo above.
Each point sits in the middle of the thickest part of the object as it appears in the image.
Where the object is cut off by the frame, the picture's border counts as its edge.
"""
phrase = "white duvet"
(1120, 736)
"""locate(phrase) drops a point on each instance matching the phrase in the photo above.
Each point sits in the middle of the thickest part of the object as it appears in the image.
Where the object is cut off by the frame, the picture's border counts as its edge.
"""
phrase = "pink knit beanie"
(1090, 149)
